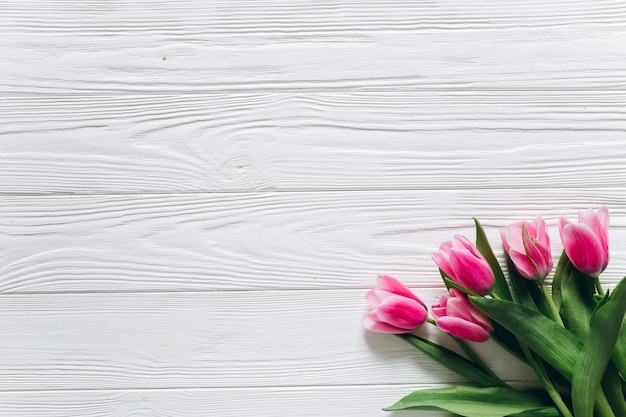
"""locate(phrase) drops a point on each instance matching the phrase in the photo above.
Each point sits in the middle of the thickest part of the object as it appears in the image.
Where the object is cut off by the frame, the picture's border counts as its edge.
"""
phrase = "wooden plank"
(218, 241)
(331, 141)
(218, 46)
(336, 401)
(204, 340)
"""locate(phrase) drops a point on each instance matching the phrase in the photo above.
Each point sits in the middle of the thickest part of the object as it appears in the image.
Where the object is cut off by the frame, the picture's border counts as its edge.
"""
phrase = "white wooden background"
(195, 195)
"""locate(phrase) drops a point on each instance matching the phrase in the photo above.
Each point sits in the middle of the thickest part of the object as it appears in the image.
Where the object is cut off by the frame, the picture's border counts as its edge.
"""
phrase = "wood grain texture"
(195, 196)
(330, 141)
(223, 46)
(218, 339)
(232, 402)
(247, 241)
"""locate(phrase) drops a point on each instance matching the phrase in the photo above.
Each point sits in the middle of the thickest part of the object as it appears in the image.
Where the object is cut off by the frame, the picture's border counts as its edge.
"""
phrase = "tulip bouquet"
(572, 337)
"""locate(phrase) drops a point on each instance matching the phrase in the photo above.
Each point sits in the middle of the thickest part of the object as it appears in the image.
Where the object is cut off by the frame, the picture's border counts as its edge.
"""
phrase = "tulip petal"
(481, 318)
(463, 329)
(471, 272)
(590, 218)
(466, 244)
(392, 285)
(528, 246)
(584, 248)
(446, 246)
(439, 310)
(603, 230)
(402, 312)
(457, 308)
(455, 293)
(370, 322)
(505, 240)
(462, 308)
(531, 227)
(603, 217)
(442, 260)
(544, 264)
(376, 296)
(562, 223)
(541, 231)
(512, 235)
(523, 264)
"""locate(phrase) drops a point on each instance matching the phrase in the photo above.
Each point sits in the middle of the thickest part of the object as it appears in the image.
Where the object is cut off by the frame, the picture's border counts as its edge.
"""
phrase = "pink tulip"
(394, 308)
(586, 243)
(465, 265)
(528, 246)
(456, 315)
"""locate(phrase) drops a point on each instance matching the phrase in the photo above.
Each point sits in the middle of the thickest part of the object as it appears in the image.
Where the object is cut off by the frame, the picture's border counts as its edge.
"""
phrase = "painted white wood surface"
(263, 241)
(311, 141)
(195, 196)
(199, 46)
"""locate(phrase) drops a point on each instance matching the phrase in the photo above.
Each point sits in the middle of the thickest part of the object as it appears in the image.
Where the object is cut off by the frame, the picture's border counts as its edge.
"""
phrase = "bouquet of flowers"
(572, 337)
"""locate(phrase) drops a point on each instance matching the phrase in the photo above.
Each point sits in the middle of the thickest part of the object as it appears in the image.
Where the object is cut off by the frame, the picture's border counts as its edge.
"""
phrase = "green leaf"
(526, 291)
(558, 274)
(612, 386)
(619, 354)
(501, 287)
(451, 284)
(521, 294)
(596, 353)
(472, 401)
(577, 302)
(554, 344)
(539, 412)
(452, 361)
(508, 342)
(445, 278)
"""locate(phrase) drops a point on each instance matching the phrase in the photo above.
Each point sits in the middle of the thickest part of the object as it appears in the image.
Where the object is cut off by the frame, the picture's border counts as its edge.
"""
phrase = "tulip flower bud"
(456, 315)
(586, 243)
(394, 308)
(465, 265)
(528, 246)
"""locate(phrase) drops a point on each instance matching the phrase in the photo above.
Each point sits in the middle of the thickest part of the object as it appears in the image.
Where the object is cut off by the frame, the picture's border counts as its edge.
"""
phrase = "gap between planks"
(442, 188)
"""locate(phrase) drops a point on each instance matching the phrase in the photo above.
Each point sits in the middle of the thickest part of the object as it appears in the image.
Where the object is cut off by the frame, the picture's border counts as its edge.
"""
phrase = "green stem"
(473, 357)
(538, 366)
(602, 407)
(541, 372)
(503, 343)
(555, 312)
(511, 352)
(479, 362)
(451, 360)
(596, 281)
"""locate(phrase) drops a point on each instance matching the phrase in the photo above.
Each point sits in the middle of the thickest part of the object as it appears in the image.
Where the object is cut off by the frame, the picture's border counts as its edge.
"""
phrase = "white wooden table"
(195, 196)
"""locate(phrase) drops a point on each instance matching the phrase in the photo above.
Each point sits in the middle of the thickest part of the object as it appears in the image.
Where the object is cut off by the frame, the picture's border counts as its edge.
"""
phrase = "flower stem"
(473, 357)
(602, 406)
(538, 366)
(596, 281)
(555, 312)
(541, 372)
(479, 362)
